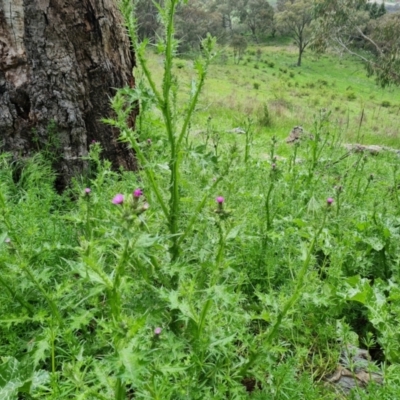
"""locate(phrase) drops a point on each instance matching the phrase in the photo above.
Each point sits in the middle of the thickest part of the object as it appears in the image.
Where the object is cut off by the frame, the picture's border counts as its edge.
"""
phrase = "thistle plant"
(176, 128)
(267, 337)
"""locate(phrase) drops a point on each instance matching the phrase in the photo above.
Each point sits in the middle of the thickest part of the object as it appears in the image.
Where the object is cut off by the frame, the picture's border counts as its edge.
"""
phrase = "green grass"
(263, 292)
(294, 95)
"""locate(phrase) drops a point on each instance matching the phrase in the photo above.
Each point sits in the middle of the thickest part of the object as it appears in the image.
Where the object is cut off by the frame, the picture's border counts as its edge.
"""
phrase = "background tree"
(258, 16)
(375, 10)
(295, 20)
(343, 23)
(59, 64)
(193, 21)
(280, 4)
(385, 46)
(229, 10)
(239, 44)
(148, 21)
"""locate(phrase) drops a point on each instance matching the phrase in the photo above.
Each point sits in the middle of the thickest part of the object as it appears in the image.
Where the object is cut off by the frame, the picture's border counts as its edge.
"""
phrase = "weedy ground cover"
(212, 272)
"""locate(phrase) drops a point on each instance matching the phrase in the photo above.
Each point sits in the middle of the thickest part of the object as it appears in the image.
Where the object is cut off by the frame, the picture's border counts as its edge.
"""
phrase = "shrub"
(256, 85)
(351, 95)
(180, 64)
(264, 117)
(386, 104)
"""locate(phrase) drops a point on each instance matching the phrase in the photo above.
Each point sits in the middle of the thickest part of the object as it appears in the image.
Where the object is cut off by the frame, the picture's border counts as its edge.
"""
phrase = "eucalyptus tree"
(258, 15)
(60, 62)
(343, 23)
(148, 21)
(280, 4)
(295, 20)
(194, 21)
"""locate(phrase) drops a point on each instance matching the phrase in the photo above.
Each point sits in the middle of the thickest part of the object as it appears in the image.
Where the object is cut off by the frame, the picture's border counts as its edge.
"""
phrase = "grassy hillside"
(267, 78)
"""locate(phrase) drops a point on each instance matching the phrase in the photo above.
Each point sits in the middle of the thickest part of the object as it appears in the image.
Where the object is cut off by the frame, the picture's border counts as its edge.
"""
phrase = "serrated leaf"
(79, 320)
(9, 379)
(233, 233)
(375, 243)
(3, 237)
(39, 378)
(223, 341)
(16, 378)
(146, 240)
(42, 349)
(361, 297)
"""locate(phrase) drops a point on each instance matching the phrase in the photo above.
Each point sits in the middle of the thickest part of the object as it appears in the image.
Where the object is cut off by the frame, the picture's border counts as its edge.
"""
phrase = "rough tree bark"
(60, 62)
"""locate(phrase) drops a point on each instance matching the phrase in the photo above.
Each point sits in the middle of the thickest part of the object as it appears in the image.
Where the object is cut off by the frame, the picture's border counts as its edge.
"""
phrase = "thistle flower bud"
(157, 331)
(137, 193)
(118, 199)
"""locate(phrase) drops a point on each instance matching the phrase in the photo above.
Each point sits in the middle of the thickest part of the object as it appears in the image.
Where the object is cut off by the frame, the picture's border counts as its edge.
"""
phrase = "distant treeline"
(231, 21)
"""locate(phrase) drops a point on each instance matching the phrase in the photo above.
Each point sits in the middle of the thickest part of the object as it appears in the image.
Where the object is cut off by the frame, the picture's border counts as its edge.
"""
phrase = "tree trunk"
(299, 58)
(60, 62)
(301, 49)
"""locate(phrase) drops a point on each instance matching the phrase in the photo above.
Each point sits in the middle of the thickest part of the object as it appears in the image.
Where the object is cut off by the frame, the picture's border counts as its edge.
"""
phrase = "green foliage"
(348, 23)
(239, 45)
(375, 10)
(240, 309)
(49, 146)
(294, 19)
(351, 95)
(15, 379)
(264, 117)
(180, 64)
(147, 285)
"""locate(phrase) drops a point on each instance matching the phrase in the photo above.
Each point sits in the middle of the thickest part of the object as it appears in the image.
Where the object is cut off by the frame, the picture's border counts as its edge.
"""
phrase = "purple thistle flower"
(329, 201)
(157, 331)
(148, 141)
(137, 193)
(87, 191)
(93, 141)
(118, 199)
(219, 199)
